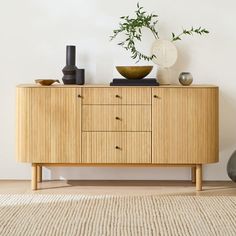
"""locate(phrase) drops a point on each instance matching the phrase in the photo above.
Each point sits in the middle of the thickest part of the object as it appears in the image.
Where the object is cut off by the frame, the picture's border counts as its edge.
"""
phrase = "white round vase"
(166, 56)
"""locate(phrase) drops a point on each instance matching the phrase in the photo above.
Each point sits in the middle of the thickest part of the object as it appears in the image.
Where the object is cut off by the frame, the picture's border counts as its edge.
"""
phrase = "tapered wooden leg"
(193, 174)
(34, 177)
(199, 177)
(39, 174)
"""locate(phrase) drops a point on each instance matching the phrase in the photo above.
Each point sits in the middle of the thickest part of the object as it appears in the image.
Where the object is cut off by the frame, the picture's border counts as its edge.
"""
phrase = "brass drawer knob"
(118, 118)
(118, 96)
(117, 147)
(79, 96)
(155, 96)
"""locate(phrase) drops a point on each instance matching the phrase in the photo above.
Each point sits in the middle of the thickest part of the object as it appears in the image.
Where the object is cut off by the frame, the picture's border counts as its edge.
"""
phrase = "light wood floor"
(98, 187)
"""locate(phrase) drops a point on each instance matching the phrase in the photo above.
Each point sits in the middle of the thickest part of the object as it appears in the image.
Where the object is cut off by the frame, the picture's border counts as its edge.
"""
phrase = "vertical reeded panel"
(65, 125)
(116, 118)
(115, 96)
(116, 147)
(185, 125)
(49, 125)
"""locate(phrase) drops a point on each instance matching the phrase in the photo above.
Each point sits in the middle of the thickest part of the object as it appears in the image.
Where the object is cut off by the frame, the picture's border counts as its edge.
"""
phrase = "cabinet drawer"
(116, 147)
(116, 96)
(116, 118)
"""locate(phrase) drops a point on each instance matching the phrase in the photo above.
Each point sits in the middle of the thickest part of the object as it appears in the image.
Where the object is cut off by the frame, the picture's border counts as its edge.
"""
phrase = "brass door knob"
(118, 118)
(79, 96)
(155, 96)
(117, 147)
(118, 96)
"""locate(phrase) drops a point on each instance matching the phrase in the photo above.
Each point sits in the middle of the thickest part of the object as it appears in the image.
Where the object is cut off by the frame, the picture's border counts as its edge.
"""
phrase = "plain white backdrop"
(33, 38)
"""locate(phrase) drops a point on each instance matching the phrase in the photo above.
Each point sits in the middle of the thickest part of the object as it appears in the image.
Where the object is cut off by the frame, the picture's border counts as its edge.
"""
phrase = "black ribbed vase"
(70, 69)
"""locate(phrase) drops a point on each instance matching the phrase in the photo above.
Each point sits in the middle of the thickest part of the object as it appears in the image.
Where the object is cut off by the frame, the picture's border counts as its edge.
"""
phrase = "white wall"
(32, 45)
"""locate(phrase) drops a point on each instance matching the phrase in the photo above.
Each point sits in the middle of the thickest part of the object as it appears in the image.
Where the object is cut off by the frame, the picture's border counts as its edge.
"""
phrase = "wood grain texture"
(34, 171)
(185, 125)
(116, 118)
(39, 174)
(116, 147)
(48, 125)
(23, 118)
(108, 86)
(193, 174)
(164, 126)
(116, 96)
(116, 165)
(199, 177)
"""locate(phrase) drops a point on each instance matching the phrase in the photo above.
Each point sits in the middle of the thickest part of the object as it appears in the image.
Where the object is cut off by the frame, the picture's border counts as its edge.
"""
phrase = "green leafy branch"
(132, 27)
(192, 31)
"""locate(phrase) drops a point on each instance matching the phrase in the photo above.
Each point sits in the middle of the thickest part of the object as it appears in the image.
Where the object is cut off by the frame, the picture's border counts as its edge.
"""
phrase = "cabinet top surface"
(108, 86)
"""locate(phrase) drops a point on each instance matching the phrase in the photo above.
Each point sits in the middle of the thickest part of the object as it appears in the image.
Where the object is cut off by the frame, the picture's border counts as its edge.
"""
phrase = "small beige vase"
(164, 76)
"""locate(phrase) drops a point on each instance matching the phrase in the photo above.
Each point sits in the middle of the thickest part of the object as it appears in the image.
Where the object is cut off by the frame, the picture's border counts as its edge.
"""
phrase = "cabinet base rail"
(196, 171)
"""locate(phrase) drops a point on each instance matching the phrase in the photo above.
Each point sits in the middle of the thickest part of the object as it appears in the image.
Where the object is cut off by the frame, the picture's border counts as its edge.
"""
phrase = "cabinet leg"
(199, 177)
(39, 174)
(34, 177)
(193, 174)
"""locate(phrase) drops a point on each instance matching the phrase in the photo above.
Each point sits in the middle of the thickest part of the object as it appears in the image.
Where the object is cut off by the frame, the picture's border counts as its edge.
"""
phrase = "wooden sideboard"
(111, 126)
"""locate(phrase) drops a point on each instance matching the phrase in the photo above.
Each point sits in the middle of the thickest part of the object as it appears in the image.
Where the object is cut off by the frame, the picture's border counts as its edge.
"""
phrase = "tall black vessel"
(70, 69)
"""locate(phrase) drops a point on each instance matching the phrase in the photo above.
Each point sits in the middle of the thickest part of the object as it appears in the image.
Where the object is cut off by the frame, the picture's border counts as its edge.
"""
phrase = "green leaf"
(132, 28)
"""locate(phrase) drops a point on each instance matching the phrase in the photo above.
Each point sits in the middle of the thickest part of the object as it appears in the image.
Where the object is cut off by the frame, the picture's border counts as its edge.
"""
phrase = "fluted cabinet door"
(185, 125)
(49, 125)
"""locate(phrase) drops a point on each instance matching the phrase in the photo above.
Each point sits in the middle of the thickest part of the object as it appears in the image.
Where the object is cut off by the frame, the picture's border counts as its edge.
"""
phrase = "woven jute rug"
(82, 215)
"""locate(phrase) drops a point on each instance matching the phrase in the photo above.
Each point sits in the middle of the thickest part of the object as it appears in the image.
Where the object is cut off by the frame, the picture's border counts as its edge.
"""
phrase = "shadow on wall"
(182, 63)
(115, 173)
(227, 121)
(83, 62)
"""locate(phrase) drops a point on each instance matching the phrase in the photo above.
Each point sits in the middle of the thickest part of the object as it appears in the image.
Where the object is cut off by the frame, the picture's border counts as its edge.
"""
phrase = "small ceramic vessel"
(185, 78)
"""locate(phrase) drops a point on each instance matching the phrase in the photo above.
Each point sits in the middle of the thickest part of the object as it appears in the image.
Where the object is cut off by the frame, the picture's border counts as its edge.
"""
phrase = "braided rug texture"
(82, 215)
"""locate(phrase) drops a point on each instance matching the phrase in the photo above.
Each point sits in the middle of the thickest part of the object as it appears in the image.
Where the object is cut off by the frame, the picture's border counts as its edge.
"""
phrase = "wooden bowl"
(134, 72)
(46, 82)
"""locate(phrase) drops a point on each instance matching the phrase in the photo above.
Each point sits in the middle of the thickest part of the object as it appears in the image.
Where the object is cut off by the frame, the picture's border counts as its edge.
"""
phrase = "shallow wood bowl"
(46, 82)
